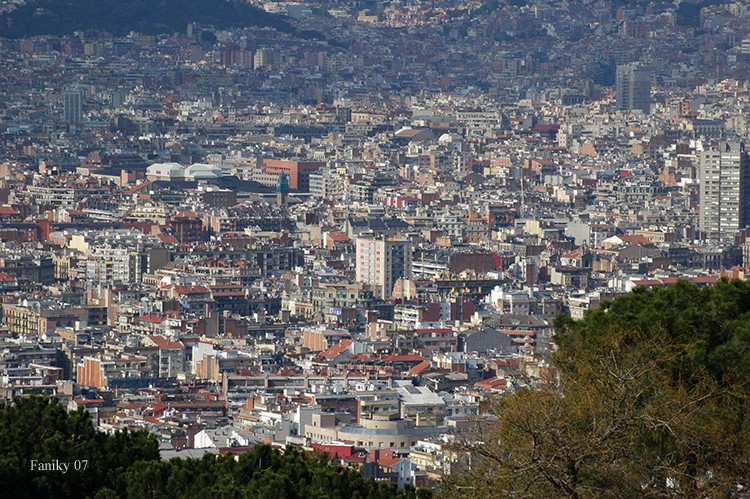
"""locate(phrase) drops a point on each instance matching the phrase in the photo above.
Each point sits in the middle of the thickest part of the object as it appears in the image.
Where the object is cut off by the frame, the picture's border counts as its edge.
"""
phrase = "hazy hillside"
(59, 17)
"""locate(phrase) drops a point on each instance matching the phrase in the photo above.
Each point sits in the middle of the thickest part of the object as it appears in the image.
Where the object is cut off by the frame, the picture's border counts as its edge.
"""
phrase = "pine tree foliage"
(127, 464)
(648, 398)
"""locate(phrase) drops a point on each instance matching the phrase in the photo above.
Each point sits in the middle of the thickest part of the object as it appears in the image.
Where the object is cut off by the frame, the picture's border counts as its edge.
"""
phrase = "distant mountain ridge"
(119, 17)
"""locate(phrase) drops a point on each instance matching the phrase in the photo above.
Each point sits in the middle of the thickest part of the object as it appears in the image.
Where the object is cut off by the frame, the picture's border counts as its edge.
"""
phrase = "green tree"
(263, 472)
(39, 430)
(649, 397)
(127, 464)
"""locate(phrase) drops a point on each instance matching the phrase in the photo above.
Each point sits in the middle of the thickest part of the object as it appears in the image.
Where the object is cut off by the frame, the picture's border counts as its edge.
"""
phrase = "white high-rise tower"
(724, 192)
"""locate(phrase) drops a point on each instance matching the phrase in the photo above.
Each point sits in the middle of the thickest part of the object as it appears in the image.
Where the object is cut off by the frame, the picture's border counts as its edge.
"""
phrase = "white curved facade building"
(176, 172)
(165, 171)
(201, 171)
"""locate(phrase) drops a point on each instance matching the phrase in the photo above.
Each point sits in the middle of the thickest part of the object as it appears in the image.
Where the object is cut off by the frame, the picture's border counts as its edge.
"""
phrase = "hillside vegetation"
(60, 17)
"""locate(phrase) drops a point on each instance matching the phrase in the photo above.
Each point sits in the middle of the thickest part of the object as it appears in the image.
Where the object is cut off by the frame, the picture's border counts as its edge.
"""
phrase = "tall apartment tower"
(72, 107)
(381, 262)
(633, 88)
(724, 192)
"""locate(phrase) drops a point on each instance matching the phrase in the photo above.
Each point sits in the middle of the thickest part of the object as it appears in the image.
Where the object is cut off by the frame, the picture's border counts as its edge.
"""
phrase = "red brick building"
(297, 171)
(187, 227)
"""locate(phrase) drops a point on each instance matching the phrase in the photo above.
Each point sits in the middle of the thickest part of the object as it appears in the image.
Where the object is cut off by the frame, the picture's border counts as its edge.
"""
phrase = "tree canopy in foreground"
(648, 397)
(127, 464)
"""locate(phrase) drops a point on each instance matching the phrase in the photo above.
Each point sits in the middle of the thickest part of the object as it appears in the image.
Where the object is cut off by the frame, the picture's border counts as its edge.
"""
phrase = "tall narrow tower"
(282, 190)
(724, 192)
(381, 262)
(633, 88)
(72, 108)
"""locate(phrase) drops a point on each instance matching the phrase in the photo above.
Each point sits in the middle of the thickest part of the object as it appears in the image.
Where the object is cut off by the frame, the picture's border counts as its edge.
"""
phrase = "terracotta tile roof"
(337, 236)
(361, 356)
(138, 187)
(191, 290)
(165, 344)
(419, 368)
(335, 350)
(388, 462)
(636, 240)
(6, 278)
(408, 133)
(9, 210)
(492, 384)
(168, 239)
(186, 214)
(403, 358)
(151, 318)
(89, 402)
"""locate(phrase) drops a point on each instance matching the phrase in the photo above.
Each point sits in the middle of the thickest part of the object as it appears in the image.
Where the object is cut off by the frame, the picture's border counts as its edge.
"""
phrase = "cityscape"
(355, 226)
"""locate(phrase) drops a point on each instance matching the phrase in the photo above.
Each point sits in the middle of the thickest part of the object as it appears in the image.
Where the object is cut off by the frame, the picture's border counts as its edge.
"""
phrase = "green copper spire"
(283, 183)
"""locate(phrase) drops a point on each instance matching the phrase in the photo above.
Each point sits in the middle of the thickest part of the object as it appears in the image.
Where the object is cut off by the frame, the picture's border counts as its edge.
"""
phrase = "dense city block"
(369, 229)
